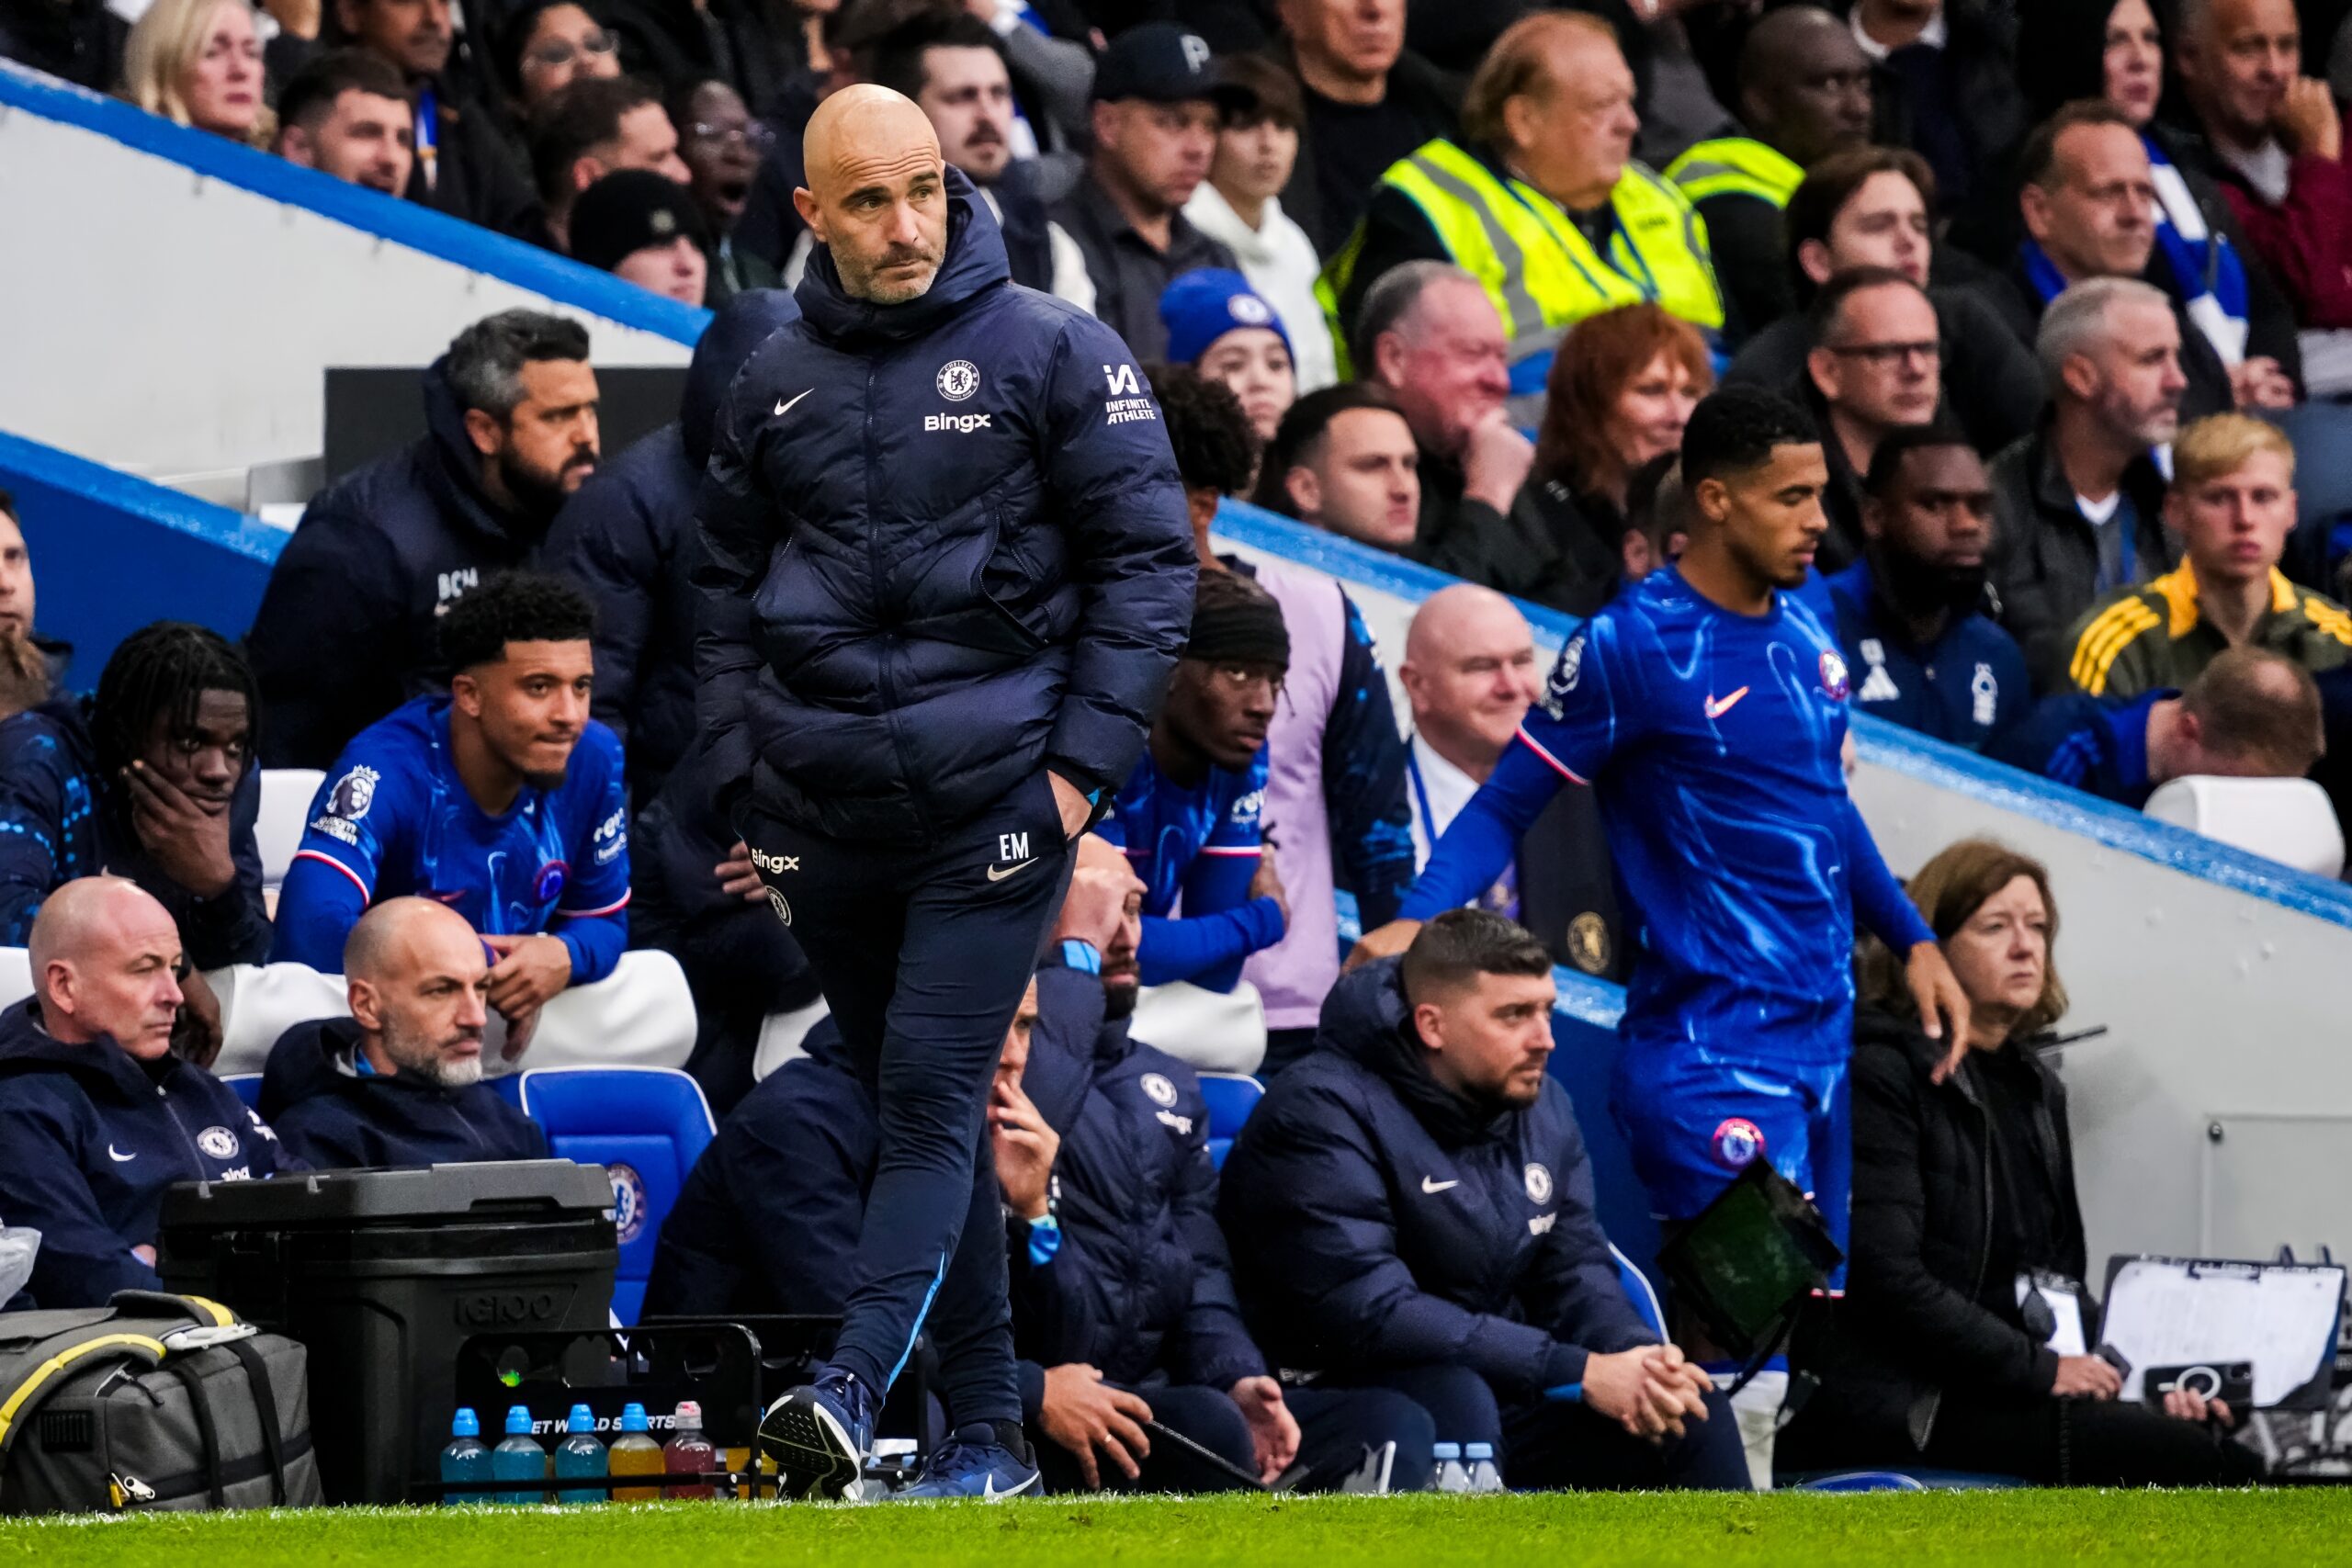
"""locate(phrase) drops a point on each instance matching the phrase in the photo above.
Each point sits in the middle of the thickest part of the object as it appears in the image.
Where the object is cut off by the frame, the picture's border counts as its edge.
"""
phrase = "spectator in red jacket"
(2277, 150)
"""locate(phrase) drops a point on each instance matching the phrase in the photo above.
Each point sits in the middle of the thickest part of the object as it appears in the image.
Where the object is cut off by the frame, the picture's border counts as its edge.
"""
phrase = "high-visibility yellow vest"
(1541, 273)
(1735, 165)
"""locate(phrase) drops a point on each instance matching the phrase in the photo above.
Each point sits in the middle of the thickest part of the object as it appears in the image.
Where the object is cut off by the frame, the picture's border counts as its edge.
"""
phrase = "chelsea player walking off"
(1708, 707)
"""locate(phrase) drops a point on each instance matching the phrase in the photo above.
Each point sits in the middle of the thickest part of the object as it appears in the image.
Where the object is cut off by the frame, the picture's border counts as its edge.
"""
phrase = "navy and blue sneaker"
(819, 1435)
(975, 1462)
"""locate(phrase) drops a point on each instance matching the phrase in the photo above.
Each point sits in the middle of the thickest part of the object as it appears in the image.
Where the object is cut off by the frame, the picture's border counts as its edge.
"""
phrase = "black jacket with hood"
(1930, 1298)
(1378, 1220)
(1141, 1287)
(626, 536)
(345, 630)
(336, 1117)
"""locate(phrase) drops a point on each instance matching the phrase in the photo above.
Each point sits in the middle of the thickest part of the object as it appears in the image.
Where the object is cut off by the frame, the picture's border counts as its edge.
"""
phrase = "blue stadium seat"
(1638, 1289)
(1230, 1098)
(248, 1088)
(646, 1126)
(510, 1089)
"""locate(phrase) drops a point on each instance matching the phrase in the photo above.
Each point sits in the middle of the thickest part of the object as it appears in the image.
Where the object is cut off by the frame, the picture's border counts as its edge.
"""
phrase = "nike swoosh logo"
(1430, 1184)
(999, 872)
(782, 407)
(111, 1153)
(988, 1492)
(1718, 706)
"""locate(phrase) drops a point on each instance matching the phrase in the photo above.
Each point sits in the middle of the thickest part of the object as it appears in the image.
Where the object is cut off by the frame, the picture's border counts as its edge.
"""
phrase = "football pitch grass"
(1915, 1531)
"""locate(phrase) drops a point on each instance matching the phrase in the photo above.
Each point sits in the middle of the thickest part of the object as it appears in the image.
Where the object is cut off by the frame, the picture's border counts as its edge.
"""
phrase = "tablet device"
(1749, 1258)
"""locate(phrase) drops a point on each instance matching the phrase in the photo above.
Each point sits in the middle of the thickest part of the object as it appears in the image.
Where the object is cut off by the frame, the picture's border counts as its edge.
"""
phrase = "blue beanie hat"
(1203, 305)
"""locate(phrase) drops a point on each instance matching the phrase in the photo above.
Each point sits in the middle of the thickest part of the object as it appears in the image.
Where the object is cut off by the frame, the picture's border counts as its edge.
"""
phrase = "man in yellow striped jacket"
(2233, 502)
(1540, 201)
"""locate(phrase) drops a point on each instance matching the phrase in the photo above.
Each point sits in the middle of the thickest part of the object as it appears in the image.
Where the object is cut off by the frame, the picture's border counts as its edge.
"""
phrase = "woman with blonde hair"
(197, 63)
(1966, 1338)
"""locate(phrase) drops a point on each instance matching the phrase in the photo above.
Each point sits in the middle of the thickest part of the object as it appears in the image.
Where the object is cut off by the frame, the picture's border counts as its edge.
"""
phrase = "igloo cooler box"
(382, 1275)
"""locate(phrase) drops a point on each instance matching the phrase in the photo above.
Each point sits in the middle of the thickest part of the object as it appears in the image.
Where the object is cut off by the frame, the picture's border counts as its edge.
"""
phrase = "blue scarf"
(2206, 274)
(2205, 265)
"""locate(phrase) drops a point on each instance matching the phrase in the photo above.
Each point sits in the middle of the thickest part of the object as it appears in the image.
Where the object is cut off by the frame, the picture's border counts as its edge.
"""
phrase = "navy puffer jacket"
(1379, 1220)
(624, 538)
(1141, 1288)
(91, 1137)
(947, 548)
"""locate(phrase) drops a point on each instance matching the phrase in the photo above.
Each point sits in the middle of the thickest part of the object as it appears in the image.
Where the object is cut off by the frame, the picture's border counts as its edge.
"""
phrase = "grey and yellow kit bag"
(153, 1400)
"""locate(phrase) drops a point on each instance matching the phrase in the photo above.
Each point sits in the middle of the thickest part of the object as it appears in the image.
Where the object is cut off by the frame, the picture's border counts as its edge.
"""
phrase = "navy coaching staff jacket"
(947, 548)
(1380, 1221)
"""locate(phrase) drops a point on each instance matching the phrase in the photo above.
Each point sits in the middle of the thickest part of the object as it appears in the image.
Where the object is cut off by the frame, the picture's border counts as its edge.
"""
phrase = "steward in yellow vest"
(1735, 165)
(1805, 90)
(1540, 201)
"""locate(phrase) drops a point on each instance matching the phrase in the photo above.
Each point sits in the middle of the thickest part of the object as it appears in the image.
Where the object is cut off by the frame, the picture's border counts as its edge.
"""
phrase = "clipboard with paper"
(2283, 1318)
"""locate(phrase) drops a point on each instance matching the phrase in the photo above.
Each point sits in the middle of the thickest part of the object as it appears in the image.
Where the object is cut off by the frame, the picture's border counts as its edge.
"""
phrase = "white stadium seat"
(2288, 820)
(16, 975)
(286, 796)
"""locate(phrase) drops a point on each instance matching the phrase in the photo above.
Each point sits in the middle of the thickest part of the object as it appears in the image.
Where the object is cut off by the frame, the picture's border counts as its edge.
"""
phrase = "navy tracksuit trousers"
(1336, 1429)
(923, 952)
(1548, 1446)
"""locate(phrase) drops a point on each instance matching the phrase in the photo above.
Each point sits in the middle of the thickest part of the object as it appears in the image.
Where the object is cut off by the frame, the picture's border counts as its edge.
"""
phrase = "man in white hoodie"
(1257, 142)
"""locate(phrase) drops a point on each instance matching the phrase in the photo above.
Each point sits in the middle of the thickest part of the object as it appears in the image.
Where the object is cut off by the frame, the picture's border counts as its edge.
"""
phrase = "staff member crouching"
(1123, 1303)
(1410, 1207)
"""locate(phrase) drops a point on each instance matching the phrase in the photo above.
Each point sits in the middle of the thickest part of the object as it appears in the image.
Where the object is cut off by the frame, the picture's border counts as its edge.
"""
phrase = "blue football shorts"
(1694, 1119)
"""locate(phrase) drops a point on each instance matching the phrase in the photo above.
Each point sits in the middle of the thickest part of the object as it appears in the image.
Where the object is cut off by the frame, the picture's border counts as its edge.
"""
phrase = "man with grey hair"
(344, 633)
(2088, 202)
(2079, 503)
(1428, 332)
(2273, 143)
(399, 1082)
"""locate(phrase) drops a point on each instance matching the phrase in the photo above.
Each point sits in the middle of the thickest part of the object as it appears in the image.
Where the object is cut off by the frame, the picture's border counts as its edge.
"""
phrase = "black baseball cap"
(1161, 63)
(630, 210)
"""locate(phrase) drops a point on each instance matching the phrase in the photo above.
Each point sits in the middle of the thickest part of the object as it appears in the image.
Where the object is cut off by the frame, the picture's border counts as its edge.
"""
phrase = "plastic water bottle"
(1451, 1476)
(466, 1459)
(519, 1459)
(1478, 1459)
(580, 1457)
(688, 1452)
(636, 1453)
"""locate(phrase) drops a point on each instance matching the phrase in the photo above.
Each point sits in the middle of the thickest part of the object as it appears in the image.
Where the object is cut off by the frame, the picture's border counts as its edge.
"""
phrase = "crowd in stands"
(2061, 291)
